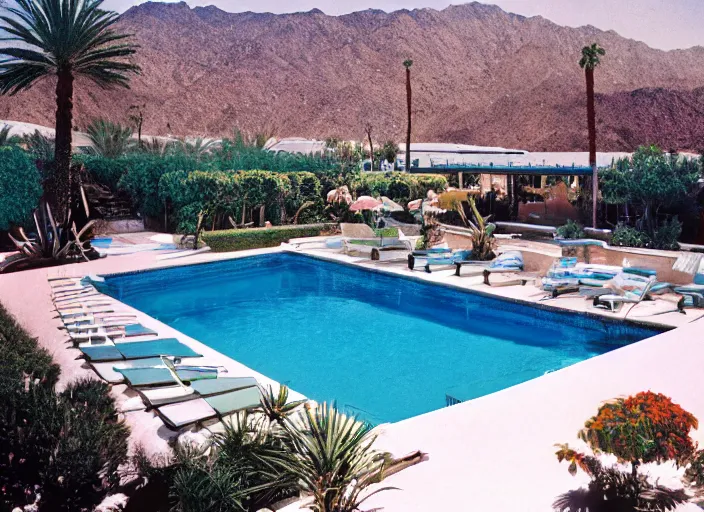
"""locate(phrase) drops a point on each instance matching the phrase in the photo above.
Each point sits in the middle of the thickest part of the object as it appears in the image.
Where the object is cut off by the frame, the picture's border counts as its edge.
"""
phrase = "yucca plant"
(108, 139)
(482, 234)
(276, 405)
(332, 458)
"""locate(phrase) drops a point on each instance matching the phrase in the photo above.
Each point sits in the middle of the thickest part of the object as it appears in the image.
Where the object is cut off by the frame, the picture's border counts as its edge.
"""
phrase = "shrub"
(20, 187)
(60, 452)
(664, 237)
(647, 427)
(571, 231)
(106, 171)
(242, 239)
(21, 354)
(141, 179)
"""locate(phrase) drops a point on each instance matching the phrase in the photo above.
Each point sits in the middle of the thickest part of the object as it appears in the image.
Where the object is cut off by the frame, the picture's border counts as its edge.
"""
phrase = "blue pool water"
(385, 347)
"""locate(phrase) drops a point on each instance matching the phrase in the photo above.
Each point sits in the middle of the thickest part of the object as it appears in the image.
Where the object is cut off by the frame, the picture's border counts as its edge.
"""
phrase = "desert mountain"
(480, 75)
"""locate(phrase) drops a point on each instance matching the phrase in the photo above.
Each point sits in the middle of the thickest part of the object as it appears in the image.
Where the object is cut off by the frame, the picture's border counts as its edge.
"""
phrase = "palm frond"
(74, 36)
(109, 139)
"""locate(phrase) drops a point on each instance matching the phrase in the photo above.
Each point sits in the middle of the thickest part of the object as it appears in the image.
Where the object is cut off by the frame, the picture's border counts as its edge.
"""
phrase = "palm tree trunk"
(591, 124)
(408, 131)
(371, 149)
(62, 154)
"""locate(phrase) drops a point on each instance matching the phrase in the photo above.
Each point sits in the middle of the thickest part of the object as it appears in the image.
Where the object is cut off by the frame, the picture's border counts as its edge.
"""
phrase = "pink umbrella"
(365, 203)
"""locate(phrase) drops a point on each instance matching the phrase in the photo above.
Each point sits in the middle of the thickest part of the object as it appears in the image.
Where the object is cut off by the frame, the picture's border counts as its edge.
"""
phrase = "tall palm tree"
(589, 61)
(65, 39)
(407, 64)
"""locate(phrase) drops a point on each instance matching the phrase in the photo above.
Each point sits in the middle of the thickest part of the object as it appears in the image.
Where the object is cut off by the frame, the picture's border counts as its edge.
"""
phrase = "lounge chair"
(510, 262)
(110, 332)
(179, 415)
(634, 291)
(430, 259)
(150, 371)
(156, 397)
(170, 347)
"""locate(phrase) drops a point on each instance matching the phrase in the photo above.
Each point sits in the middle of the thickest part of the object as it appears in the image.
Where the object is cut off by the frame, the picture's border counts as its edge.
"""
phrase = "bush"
(665, 236)
(398, 186)
(21, 355)
(242, 239)
(106, 171)
(144, 171)
(571, 231)
(58, 451)
(20, 187)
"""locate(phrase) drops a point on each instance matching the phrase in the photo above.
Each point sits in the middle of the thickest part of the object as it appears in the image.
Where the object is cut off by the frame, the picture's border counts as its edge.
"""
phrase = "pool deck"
(495, 453)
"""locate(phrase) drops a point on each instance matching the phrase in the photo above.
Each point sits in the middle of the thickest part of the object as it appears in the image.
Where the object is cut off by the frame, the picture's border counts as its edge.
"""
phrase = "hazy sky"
(664, 24)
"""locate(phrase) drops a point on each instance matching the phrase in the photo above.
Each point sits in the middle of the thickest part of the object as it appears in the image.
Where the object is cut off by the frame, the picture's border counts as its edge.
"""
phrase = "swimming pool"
(385, 347)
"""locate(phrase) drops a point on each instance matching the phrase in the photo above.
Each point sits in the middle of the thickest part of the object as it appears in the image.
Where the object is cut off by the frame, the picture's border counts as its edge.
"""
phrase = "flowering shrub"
(647, 427)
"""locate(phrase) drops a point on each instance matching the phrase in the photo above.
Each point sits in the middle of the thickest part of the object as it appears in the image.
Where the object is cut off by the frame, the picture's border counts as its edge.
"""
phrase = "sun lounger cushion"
(138, 350)
(200, 409)
(138, 330)
(108, 371)
(510, 260)
(179, 415)
(156, 397)
(157, 375)
(640, 271)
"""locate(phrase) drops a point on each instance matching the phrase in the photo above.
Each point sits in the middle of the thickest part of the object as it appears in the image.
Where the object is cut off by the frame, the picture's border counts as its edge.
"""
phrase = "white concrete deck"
(495, 453)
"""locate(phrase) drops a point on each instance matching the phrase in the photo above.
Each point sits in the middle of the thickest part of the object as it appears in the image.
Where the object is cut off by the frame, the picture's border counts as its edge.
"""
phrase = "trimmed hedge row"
(241, 239)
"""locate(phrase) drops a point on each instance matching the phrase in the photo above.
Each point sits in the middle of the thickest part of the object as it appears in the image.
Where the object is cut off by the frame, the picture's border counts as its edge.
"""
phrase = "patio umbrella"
(365, 203)
(390, 206)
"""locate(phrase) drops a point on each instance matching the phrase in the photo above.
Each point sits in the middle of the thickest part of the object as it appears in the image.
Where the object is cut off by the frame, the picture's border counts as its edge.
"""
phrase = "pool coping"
(415, 277)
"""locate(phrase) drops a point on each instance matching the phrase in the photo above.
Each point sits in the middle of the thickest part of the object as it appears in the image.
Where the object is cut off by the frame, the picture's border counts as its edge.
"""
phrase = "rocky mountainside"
(480, 75)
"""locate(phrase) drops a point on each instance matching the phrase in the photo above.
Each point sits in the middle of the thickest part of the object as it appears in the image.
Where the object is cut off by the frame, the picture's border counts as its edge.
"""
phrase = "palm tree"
(66, 39)
(109, 139)
(589, 61)
(407, 64)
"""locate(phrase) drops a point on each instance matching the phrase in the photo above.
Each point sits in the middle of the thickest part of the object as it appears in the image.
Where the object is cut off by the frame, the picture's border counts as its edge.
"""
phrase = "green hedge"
(61, 449)
(20, 187)
(242, 239)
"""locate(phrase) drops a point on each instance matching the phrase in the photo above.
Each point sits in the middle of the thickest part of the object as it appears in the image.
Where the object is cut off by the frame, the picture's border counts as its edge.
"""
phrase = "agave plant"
(276, 405)
(109, 139)
(53, 244)
(482, 234)
(332, 458)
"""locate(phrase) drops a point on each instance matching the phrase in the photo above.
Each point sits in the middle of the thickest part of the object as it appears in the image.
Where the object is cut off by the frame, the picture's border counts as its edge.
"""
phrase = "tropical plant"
(368, 131)
(389, 151)
(332, 458)
(108, 139)
(407, 159)
(571, 230)
(482, 234)
(20, 187)
(6, 139)
(40, 147)
(652, 181)
(589, 61)
(65, 38)
(54, 244)
(613, 490)
(198, 148)
(276, 405)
